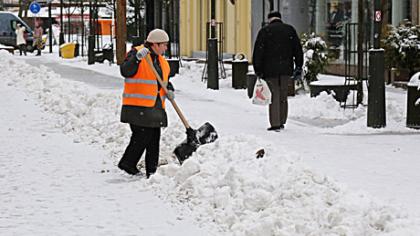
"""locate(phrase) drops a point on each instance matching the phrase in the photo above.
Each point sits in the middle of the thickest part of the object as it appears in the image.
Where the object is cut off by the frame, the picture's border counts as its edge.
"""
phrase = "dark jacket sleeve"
(258, 54)
(130, 65)
(297, 51)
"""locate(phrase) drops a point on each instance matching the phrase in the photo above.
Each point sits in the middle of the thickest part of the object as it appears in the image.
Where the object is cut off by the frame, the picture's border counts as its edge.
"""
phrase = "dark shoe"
(276, 128)
(129, 169)
(148, 175)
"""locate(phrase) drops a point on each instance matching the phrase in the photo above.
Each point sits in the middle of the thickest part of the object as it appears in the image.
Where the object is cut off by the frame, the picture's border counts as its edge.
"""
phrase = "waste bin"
(67, 50)
(250, 83)
(239, 73)
(413, 102)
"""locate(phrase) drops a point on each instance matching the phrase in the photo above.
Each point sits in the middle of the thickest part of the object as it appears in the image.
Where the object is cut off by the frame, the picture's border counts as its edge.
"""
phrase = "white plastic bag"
(262, 93)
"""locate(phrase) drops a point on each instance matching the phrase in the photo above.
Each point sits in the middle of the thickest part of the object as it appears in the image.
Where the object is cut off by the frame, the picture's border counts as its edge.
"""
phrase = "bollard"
(91, 50)
(76, 49)
(376, 117)
(239, 72)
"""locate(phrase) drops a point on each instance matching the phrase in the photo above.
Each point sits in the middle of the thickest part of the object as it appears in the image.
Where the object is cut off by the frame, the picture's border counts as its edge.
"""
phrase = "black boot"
(129, 169)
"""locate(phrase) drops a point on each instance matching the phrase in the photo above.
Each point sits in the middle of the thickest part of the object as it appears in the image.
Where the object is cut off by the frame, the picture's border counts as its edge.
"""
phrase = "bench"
(341, 91)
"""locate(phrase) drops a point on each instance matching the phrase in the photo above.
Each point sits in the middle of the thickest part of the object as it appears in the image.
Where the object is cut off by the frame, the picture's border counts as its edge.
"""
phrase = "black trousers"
(143, 138)
(22, 48)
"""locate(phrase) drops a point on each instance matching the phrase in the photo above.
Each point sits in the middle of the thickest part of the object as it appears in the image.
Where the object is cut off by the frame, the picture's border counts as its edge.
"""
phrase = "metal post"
(212, 57)
(91, 49)
(377, 24)
(360, 40)
(212, 65)
(68, 23)
(136, 16)
(50, 29)
(61, 37)
(376, 91)
(263, 13)
(213, 19)
(150, 16)
(82, 12)
(91, 38)
(376, 96)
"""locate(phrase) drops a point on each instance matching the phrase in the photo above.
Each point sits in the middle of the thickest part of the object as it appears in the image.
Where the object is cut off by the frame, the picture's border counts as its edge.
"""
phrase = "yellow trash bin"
(67, 50)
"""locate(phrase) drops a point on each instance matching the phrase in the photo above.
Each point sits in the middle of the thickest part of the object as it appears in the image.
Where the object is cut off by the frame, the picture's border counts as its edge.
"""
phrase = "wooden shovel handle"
(177, 109)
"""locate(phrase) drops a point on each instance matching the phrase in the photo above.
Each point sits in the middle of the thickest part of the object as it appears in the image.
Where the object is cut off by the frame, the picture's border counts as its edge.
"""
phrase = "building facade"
(240, 20)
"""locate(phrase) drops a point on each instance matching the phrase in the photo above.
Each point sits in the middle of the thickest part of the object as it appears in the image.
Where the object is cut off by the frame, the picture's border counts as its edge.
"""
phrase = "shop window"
(339, 12)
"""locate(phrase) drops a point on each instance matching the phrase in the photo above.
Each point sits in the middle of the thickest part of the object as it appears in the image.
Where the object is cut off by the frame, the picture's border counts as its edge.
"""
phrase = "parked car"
(8, 22)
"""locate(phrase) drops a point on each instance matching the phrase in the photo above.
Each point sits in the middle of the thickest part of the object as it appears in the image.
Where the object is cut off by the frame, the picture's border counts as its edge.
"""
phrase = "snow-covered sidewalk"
(51, 185)
(222, 186)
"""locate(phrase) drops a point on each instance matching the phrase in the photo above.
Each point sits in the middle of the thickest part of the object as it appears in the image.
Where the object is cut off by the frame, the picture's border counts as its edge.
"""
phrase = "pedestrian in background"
(38, 32)
(20, 38)
(277, 56)
(144, 101)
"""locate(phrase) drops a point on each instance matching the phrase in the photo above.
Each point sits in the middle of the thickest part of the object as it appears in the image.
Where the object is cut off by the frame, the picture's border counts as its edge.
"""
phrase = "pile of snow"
(222, 183)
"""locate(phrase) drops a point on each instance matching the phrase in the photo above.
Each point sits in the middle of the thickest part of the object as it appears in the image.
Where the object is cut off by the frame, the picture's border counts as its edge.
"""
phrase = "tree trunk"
(21, 4)
(121, 35)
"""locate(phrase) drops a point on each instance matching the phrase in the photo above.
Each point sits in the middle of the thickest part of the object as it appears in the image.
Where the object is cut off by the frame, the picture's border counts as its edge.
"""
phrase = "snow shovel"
(205, 134)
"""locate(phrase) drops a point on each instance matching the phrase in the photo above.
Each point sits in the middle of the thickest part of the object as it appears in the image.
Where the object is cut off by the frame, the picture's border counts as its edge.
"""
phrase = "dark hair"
(148, 44)
(274, 14)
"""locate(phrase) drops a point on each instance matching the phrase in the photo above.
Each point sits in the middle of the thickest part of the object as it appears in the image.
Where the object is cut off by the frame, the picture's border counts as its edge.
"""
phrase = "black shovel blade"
(205, 134)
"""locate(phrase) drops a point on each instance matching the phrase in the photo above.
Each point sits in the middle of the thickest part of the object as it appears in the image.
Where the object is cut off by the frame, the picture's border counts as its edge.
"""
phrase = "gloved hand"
(170, 95)
(297, 73)
(142, 53)
(170, 86)
(192, 136)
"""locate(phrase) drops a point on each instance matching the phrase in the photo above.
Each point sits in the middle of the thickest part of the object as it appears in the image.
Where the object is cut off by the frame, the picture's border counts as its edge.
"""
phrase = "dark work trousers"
(143, 138)
(278, 108)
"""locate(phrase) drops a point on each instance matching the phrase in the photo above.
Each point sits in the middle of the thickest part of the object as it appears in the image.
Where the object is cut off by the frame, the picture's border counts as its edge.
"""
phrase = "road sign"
(35, 7)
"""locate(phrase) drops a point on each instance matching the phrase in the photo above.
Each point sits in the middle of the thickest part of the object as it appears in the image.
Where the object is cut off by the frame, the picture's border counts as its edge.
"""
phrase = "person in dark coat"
(144, 101)
(277, 56)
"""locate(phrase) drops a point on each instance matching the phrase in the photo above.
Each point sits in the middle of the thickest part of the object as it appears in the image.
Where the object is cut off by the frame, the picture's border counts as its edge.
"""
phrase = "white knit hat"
(157, 36)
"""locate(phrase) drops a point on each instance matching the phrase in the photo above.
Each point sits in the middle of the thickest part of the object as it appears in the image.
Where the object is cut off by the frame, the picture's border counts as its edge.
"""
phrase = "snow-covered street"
(325, 174)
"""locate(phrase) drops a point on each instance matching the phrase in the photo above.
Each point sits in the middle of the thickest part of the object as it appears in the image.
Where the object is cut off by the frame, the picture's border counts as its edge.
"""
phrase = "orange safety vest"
(142, 89)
